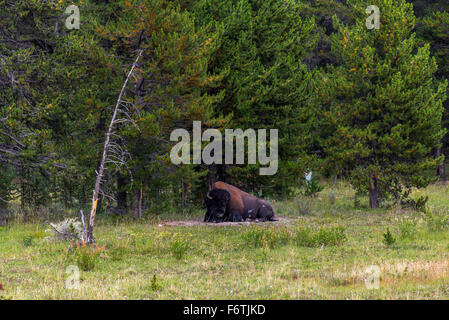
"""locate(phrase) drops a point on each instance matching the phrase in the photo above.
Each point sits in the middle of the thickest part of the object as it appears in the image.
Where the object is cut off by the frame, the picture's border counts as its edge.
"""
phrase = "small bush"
(357, 200)
(436, 220)
(271, 237)
(388, 239)
(28, 241)
(331, 236)
(117, 253)
(357, 203)
(408, 228)
(155, 286)
(328, 236)
(39, 234)
(304, 237)
(298, 206)
(68, 229)
(420, 203)
(86, 256)
(312, 188)
(332, 197)
(303, 206)
(417, 204)
(179, 247)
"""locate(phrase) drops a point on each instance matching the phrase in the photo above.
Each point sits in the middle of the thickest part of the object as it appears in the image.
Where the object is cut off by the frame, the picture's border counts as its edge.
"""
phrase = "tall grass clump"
(298, 206)
(263, 237)
(408, 227)
(179, 246)
(326, 236)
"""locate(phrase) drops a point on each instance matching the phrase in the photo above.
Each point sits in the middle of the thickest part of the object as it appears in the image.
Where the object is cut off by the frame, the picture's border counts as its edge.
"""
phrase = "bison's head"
(216, 202)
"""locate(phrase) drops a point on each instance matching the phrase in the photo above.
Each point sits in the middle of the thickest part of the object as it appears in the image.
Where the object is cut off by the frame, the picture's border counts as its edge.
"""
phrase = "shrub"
(332, 197)
(420, 203)
(388, 239)
(312, 187)
(299, 205)
(271, 237)
(28, 241)
(179, 247)
(436, 220)
(332, 236)
(86, 256)
(117, 253)
(357, 199)
(155, 286)
(304, 237)
(304, 206)
(66, 230)
(408, 227)
(327, 236)
(417, 204)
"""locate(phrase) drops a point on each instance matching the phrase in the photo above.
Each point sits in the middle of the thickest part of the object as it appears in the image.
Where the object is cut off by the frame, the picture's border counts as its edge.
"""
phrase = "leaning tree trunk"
(93, 210)
(373, 192)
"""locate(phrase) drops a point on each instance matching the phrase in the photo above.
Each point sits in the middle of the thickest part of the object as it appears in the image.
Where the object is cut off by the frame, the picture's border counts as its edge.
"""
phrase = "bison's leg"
(207, 216)
(218, 220)
(252, 214)
(235, 216)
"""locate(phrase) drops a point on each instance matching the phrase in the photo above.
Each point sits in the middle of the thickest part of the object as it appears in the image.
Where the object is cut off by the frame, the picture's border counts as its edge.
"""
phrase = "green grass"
(323, 254)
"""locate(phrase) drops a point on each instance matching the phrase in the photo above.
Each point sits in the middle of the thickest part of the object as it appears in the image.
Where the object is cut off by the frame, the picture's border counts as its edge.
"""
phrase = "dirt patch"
(199, 222)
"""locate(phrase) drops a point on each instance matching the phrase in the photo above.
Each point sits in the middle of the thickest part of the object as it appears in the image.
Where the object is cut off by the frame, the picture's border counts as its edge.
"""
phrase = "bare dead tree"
(112, 152)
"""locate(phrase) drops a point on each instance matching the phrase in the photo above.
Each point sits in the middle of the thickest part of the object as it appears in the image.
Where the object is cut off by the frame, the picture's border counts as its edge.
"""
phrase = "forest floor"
(327, 247)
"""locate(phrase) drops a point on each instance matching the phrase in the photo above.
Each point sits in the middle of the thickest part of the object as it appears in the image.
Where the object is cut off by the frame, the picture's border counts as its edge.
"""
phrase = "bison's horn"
(208, 196)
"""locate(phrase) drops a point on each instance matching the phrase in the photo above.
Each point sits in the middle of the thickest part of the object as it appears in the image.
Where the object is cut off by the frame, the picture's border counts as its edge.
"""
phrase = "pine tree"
(381, 108)
(434, 29)
(174, 87)
(267, 85)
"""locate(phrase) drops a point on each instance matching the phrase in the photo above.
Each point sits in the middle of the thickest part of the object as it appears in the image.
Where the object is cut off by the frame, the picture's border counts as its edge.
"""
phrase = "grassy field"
(321, 252)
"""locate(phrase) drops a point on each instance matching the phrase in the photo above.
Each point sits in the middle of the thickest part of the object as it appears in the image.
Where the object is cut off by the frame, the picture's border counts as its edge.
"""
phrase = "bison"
(227, 203)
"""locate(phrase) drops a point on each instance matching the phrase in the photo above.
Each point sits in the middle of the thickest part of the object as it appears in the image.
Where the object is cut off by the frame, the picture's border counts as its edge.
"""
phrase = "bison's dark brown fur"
(244, 206)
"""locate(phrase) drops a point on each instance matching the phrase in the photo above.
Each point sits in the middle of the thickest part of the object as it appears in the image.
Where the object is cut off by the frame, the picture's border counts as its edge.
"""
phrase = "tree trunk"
(93, 210)
(221, 172)
(22, 189)
(211, 176)
(373, 192)
(122, 206)
(441, 171)
(140, 201)
(137, 204)
(183, 195)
